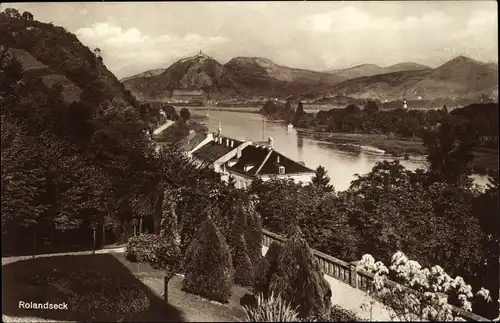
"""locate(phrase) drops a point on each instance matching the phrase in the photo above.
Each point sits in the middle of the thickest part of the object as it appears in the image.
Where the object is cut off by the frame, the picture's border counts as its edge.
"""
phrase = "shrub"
(139, 247)
(244, 272)
(159, 252)
(297, 277)
(208, 264)
(336, 314)
(266, 267)
(245, 242)
(270, 309)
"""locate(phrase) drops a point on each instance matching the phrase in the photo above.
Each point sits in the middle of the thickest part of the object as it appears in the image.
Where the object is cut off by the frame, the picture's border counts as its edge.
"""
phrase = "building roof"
(190, 141)
(265, 161)
(187, 92)
(215, 150)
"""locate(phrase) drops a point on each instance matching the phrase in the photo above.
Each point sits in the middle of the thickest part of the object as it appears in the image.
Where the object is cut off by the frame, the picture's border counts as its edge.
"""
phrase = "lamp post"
(93, 234)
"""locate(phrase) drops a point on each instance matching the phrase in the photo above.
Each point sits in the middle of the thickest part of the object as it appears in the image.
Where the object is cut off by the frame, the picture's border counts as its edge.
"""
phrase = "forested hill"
(73, 145)
(58, 57)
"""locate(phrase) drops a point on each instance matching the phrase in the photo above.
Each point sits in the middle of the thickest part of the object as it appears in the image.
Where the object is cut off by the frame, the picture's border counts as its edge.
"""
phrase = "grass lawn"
(95, 287)
(194, 308)
(105, 287)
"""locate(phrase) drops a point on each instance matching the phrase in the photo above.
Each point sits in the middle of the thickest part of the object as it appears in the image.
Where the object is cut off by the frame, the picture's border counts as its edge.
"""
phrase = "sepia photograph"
(254, 161)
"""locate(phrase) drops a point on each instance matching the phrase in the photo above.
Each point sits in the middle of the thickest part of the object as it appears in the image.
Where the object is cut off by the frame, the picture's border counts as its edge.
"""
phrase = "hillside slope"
(241, 76)
(146, 74)
(58, 57)
(372, 69)
(461, 77)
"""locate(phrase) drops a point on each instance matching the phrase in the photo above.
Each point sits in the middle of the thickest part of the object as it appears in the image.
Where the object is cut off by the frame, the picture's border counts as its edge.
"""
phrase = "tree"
(449, 150)
(245, 240)
(243, 266)
(322, 180)
(299, 279)
(208, 265)
(27, 15)
(371, 107)
(185, 114)
(299, 113)
(171, 112)
(396, 209)
(352, 109)
(12, 13)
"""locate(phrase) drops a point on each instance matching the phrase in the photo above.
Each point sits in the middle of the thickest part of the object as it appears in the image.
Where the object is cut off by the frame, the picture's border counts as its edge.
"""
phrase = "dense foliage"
(245, 240)
(297, 277)
(436, 216)
(66, 167)
(482, 118)
(69, 167)
(208, 265)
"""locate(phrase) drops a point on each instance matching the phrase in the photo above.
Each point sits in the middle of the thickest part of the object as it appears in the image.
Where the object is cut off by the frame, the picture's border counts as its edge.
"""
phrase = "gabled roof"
(190, 141)
(215, 150)
(265, 160)
(271, 166)
(250, 155)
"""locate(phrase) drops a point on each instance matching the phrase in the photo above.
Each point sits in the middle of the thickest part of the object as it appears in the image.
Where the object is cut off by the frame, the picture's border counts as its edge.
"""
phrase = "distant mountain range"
(241, 76)
(372, 69)
(460, 77)
(259, 77)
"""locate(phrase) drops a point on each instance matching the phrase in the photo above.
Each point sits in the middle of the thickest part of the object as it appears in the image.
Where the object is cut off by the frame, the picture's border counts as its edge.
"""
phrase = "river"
(341, 161)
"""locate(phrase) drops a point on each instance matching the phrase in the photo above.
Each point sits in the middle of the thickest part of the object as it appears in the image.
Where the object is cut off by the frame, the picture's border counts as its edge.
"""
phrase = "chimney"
(232, 143)
(227, 142)
(220, 140)
(278, 160)
(271, 141)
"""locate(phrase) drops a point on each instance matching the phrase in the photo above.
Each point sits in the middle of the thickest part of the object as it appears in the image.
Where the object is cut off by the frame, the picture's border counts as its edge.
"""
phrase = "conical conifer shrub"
(299, 279)
(244, 272)
(208, 265)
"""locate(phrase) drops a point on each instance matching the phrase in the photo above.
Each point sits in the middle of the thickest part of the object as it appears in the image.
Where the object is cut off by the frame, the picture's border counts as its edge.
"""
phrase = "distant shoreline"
(484, 159)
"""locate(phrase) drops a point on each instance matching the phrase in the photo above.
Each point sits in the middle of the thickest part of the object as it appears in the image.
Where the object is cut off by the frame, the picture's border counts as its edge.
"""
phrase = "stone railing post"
(353, 266)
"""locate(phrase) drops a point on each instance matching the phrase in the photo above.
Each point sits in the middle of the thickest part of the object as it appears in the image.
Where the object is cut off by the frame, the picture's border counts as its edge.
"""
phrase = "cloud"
(122, 47)
(351, 19)
(351, 35)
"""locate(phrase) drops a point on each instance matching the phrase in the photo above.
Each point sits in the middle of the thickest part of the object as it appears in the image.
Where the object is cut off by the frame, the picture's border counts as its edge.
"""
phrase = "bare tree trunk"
(140, 225)
(34, 245)
(103, 234)
(135, 230)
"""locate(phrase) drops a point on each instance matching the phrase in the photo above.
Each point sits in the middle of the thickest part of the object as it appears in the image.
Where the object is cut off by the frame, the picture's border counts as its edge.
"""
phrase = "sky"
(320, 35)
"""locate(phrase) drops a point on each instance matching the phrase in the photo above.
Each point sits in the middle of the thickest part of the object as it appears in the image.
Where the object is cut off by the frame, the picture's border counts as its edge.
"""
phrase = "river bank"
(484, 159)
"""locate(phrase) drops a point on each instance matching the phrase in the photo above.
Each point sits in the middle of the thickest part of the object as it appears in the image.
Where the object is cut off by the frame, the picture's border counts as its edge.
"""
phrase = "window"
(281, 170)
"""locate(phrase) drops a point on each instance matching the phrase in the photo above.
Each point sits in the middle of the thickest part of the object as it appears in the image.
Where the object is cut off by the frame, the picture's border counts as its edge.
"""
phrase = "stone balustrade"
(358, 278)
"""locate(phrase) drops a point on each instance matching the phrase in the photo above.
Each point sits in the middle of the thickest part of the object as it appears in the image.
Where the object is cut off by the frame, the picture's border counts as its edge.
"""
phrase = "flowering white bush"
(417, 293)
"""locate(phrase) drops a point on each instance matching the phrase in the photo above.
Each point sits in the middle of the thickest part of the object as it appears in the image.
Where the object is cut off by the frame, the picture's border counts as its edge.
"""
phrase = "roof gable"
(214, 150)
(271, 166)
(265, 160)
